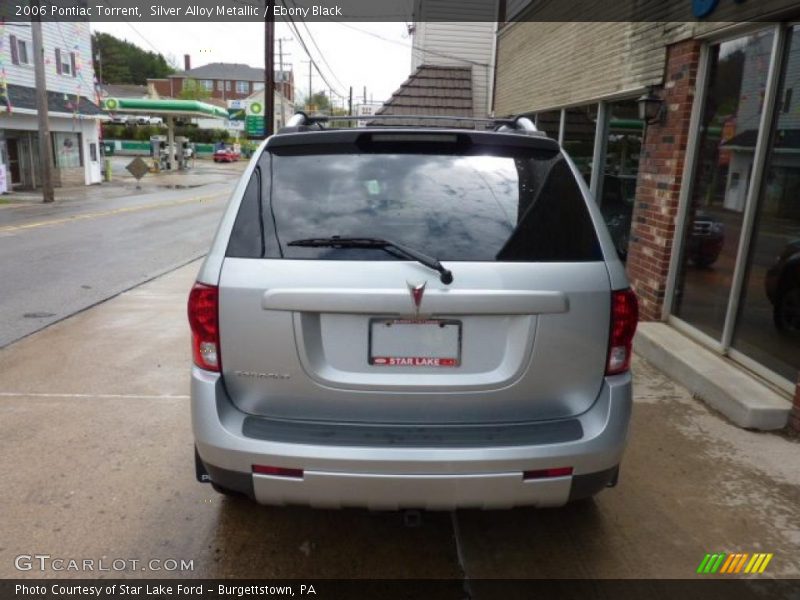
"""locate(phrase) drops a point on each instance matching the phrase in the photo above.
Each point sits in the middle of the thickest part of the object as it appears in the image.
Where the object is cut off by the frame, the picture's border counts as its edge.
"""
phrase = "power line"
(398, 43)
(296, 31)
(313, 62)
(322, 56)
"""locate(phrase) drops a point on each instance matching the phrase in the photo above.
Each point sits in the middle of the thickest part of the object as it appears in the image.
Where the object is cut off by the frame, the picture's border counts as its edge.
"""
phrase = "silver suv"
(411, 317)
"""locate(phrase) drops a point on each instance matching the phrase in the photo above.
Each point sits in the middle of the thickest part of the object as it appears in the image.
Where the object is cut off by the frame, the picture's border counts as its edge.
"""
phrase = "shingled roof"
(114, 90)
(25, 97)
(223, 71)
(231, 71)
(431, 90)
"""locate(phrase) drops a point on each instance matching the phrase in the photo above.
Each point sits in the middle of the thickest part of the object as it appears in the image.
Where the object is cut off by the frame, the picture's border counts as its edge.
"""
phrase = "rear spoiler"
(301, 121)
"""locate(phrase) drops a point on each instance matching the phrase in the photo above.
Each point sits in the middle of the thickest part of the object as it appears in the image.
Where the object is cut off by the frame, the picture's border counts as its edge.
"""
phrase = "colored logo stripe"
(734, 563)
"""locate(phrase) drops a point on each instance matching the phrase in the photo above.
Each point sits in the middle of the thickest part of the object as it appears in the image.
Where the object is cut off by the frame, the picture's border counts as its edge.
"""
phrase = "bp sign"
(703, 8)
(111, 104)
(254, 123)
(254, 126)
(236, 114)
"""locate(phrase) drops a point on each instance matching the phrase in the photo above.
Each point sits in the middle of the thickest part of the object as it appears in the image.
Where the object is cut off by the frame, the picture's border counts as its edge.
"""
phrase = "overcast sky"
(356, 52)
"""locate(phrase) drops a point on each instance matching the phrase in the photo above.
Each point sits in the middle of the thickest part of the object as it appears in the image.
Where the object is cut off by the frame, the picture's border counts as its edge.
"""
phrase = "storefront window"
(579, 131)
(67, 150)
(549, 122)
(729, 127)
(617, 189)
(768, 325)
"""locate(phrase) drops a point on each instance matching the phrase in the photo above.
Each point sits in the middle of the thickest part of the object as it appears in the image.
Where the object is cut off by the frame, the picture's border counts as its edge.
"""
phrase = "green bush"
(143, 133)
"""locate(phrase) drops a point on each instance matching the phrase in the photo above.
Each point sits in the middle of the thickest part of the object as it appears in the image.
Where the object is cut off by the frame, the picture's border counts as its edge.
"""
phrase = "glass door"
(729, 128)
(768, 322)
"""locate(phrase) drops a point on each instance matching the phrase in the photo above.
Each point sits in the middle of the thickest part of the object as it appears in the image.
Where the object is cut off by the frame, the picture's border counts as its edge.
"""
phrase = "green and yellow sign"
(733, 563)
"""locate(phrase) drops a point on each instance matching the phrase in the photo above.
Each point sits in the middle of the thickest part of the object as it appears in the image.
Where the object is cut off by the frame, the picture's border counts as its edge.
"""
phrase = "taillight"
(547, 473)
(624, 316)
(278, 471)
(204, 322)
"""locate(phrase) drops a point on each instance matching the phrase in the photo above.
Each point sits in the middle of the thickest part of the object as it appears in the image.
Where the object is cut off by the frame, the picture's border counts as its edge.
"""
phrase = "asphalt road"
(97, 455)
(62, 258)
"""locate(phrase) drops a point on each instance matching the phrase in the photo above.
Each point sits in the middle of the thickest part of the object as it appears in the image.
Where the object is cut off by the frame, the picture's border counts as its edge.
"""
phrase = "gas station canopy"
(164, 106)
(168, 109)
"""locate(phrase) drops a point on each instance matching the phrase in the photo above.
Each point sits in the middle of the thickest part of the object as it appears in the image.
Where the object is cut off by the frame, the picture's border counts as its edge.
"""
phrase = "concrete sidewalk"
(96, 451)
(205, 172)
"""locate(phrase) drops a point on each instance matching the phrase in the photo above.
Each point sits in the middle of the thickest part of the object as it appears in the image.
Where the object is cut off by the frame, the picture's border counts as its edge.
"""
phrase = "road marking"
(121, 396)
(106, 213)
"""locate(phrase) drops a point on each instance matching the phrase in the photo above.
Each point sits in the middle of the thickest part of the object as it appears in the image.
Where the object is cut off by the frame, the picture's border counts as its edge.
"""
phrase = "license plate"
(414, 343)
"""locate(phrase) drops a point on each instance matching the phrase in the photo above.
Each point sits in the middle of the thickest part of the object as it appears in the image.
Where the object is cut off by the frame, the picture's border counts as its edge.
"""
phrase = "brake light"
(624, 316)
(204, 321)
(278, 471)
(547, 473)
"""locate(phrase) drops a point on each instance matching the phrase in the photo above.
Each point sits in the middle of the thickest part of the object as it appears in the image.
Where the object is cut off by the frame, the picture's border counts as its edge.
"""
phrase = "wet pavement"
(69, 255)
(96, 448)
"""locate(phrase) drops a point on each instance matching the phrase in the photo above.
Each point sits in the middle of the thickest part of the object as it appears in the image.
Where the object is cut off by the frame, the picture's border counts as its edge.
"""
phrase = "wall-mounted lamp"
(651, 108)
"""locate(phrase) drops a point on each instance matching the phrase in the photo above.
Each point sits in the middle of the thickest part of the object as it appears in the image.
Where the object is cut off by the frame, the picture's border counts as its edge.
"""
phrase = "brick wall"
(162, 87)
(171, 88)
(659, 182)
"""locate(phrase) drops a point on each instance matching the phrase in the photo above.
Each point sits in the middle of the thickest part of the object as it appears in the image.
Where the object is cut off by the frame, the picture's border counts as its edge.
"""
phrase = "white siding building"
(465, 44)
(74, 115)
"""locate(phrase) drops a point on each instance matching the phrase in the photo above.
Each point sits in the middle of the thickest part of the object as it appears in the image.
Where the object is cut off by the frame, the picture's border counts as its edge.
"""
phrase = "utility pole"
(280, 70)
(350, 103)
(310, 92)
(45, 143)
(365, 94)
(99, 58)
(269, 70)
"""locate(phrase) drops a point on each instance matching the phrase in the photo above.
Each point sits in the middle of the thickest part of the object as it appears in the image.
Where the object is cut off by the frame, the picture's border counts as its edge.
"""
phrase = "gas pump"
(183, 152)
(158, 151)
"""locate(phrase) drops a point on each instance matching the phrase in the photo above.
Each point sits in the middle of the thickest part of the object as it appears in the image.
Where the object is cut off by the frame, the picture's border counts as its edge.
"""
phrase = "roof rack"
(301, 121)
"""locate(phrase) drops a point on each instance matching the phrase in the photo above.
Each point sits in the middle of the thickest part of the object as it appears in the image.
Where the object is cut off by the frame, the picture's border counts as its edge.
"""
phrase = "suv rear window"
(484, 205)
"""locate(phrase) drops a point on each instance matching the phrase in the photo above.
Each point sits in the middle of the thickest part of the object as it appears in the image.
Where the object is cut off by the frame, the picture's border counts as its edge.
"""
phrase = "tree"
(192, 90)
(124, 62)
(319, 101)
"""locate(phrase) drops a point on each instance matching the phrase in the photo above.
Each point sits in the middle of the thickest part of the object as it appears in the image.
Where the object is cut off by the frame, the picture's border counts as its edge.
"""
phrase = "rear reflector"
(278, 471)
(547, 473)
(624, 317)
(203, 311)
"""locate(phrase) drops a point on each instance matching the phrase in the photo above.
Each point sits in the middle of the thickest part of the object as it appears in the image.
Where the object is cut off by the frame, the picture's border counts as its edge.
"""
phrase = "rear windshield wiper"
(336, 241)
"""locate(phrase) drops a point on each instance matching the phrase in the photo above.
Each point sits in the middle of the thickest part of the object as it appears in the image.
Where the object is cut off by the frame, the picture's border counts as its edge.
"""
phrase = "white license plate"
(414, 343)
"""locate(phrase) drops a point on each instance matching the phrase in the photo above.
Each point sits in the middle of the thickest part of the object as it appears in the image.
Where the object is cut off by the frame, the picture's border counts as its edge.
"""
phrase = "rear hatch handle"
(336, 241)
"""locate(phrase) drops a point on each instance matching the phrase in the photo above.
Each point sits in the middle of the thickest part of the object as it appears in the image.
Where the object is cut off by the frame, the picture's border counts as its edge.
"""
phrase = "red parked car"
(226, 154)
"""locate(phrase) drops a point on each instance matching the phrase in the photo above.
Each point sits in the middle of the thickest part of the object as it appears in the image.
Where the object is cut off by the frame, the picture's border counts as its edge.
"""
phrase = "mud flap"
(200, 469)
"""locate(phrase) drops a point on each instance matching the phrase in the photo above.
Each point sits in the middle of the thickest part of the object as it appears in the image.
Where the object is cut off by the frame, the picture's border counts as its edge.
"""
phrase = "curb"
(717, 381)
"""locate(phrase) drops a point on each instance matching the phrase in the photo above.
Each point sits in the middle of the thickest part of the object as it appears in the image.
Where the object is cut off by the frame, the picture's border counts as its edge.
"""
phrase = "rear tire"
(703, 262)
(786, 313)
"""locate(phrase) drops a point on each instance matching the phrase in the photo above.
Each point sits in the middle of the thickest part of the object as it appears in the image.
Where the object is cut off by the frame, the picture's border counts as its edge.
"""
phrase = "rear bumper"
(409, 477)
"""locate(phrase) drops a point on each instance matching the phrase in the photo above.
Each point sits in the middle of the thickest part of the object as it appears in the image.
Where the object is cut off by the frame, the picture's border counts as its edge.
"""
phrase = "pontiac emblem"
(417, 290)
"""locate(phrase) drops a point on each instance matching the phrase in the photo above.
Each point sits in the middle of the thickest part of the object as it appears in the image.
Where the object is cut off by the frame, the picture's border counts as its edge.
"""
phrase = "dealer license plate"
(414, 343)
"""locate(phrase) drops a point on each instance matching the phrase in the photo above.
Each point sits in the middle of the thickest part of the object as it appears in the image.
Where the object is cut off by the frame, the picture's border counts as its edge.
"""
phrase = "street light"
(651, 108)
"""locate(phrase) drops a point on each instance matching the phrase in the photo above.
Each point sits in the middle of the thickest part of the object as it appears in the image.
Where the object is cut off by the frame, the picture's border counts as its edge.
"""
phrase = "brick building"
(703, 198)
(224, 81)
